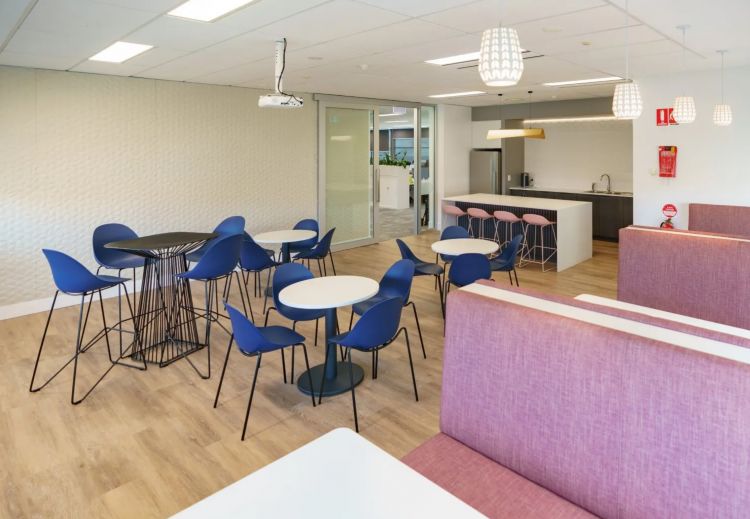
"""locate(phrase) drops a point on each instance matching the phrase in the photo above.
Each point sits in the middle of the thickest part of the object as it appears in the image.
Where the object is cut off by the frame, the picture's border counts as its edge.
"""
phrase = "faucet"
(609, 182)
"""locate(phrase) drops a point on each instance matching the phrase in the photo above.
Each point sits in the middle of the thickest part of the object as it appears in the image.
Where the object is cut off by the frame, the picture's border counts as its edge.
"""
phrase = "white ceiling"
(377, 48)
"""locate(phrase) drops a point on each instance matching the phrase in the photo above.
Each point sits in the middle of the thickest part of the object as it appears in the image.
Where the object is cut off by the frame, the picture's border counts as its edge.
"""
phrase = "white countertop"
(527, 202)
(340, 474)
(573, 191)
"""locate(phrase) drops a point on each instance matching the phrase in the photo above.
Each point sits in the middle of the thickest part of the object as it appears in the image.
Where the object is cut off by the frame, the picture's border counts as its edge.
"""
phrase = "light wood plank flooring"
(147, 444)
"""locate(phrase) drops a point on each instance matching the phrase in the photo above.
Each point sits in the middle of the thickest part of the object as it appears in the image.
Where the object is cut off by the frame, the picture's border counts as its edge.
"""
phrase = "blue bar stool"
(321, 250)
(227, 227)
(217, 263)
(72, 278)
(254, 342)
(396, 282)
(285, 275)
(377, 328)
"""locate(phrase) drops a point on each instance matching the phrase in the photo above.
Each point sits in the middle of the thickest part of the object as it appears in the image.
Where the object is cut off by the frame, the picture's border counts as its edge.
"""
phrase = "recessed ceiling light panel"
(459, 94)
(452, 60)
(120, 51)
(606, 79)
(207, 10)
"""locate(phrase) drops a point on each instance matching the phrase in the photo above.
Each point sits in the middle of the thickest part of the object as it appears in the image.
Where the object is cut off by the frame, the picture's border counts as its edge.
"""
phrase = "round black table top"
(167, 240)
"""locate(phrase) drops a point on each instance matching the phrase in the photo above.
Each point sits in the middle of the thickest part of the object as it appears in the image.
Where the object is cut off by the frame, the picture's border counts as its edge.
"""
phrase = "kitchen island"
(572, 228)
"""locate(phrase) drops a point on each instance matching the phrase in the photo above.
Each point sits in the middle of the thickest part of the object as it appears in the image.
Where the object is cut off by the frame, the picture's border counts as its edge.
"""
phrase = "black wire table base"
(166, 318)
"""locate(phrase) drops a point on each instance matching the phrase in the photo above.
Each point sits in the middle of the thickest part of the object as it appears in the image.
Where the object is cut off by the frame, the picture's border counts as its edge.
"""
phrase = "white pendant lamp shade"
(500, 59)
(627, 103)
(722, 115)
(684, 109)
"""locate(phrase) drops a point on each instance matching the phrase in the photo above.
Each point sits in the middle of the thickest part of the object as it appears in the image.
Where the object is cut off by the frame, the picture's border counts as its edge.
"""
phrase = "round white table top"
(464, 246)
(328, 292)
(288, 236)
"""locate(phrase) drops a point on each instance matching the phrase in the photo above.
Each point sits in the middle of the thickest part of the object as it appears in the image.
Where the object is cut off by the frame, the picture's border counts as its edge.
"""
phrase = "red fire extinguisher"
(670, 211)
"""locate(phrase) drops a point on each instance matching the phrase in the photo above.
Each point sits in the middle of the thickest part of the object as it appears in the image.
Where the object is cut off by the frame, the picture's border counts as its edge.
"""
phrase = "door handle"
(377, 185)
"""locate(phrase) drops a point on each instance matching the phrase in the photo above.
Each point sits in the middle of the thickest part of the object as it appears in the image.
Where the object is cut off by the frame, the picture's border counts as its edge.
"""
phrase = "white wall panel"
(78, 150)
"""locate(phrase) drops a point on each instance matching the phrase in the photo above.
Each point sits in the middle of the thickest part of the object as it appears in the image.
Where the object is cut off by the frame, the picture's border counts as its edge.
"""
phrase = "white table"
(284, 238)
(339, 474)
(460, 246)
(329, 293)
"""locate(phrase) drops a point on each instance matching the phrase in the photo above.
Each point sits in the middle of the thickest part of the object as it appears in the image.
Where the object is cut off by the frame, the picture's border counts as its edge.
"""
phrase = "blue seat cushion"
(126, 261)
(281, 336)
(502, 266)
(427, 269)
(363, 306)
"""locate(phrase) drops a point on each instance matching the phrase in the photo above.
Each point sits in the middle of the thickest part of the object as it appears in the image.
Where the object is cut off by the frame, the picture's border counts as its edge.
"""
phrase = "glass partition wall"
(376, 171)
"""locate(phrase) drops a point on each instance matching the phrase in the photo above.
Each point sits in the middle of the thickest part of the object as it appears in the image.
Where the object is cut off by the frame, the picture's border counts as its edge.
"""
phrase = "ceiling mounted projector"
(280, 99)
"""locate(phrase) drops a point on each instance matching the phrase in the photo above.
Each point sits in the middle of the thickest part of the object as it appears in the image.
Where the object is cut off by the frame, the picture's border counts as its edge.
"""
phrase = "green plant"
(394, 160)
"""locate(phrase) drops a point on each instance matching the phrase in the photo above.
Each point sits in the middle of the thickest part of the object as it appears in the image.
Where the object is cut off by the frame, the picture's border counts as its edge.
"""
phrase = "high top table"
(329, 293)
(165, 319)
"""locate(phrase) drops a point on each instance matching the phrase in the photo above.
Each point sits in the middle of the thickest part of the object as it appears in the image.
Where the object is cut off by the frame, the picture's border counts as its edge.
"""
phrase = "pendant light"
(684, 106)
(627, 103)
(500, 58)
(509, 133)
(722, 112)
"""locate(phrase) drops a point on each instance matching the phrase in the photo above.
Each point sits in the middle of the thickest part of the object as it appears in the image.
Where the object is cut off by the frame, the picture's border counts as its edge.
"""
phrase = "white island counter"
(573, 229)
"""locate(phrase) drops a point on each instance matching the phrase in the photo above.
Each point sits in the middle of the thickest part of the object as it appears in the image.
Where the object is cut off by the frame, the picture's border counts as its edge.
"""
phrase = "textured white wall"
(575, 154)
(78, 150)
(453, 151)
(712, 161)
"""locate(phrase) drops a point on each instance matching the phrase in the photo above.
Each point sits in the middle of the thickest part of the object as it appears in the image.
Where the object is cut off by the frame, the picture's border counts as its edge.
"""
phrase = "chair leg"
(252, 392)
(320, 269)
(374, 365)
(510, 278)
(323, 377)
(516, 275)
(354, 399)
(79, 340)
(223, 370)
(316, 332)
(104, 327)
(351, 320)
(411, 364)
(333, 266)
(440, 285)
(291, 377)
(419, 328)
(265, 291)
(41, 345)
(309, 375)
(283, 363)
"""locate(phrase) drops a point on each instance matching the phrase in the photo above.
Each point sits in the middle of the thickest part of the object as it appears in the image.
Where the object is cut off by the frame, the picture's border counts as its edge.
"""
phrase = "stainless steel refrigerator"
(485, 175)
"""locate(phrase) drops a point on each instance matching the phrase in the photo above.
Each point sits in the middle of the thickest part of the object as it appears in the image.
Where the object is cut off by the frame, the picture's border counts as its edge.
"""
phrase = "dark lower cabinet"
(608, 213)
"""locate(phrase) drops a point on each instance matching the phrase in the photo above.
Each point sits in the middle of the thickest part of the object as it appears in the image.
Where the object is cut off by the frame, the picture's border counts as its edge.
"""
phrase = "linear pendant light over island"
(509, 133)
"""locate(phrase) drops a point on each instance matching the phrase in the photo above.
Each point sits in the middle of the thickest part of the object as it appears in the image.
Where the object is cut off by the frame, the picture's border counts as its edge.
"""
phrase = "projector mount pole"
(280, 44)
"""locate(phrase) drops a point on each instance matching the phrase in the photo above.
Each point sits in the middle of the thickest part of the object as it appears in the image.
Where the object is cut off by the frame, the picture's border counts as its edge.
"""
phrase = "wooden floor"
(147, 444)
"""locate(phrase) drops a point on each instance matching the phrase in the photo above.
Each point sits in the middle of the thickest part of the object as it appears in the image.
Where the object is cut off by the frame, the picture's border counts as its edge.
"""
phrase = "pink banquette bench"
(723, 219)
(698, 274)
(557, 408)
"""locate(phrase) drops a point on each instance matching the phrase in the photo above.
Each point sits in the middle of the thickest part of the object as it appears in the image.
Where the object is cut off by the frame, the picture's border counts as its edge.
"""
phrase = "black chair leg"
(320, 269)
(104, 325)
(309, 375)
(283, 364)
(351, 320)
(333, 266)
(322, 378)
(252, 392)
(291, 381)
(419, 328)
(374, 366)
(223, 370)
(516, 275)
(316, 332)
(411, 364)
(79, 340)
(440, 285)
(510, 278)
(354, 399)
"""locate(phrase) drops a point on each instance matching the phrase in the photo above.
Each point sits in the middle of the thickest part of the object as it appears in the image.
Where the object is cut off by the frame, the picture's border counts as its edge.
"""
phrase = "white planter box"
(394, 187)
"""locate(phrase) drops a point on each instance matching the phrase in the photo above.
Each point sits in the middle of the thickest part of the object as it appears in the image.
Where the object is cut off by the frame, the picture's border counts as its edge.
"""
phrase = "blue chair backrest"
(406, 252)
(107, 233)
(220, 258)
(511, 250)
(246, 334)
(324, 245)
(69, 275)
(377, 326)
(285, 275)
(308, 224)
(231, 225)
(396, 282)
(468, 268)
(453, 232)
(253, 256)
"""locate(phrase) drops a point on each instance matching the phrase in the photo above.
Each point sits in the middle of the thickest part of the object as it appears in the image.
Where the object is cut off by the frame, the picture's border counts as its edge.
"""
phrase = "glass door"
(348, 170)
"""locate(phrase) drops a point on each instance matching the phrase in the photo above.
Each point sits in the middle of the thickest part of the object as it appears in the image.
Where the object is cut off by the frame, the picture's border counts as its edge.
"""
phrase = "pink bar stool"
(509, 219)
(539, 223)
(452, 210)
(477, 214)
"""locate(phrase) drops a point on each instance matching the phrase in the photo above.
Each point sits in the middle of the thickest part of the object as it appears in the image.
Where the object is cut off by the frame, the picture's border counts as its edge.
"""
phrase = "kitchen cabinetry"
(610, 213)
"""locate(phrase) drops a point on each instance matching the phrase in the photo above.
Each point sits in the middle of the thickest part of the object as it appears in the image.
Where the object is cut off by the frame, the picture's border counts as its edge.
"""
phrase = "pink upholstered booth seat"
(591, 410)
(723, 219)
(696, 274)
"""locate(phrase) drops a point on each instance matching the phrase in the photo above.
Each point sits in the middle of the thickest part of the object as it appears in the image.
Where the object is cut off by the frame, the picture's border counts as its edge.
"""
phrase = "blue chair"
(506, 261)
(321, 250)
(217, 263)
(307, 224)
(254, 342)
(452, 232)
(227, 227)
(396, 282)
(114, 259)
(423, 268)
(377, 328)
(254, 259)
(72, 278)
(285, 275)
(465, 270)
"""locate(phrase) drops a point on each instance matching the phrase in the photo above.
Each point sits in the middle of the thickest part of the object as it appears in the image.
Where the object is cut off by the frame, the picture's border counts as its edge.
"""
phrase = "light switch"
(508, 178)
